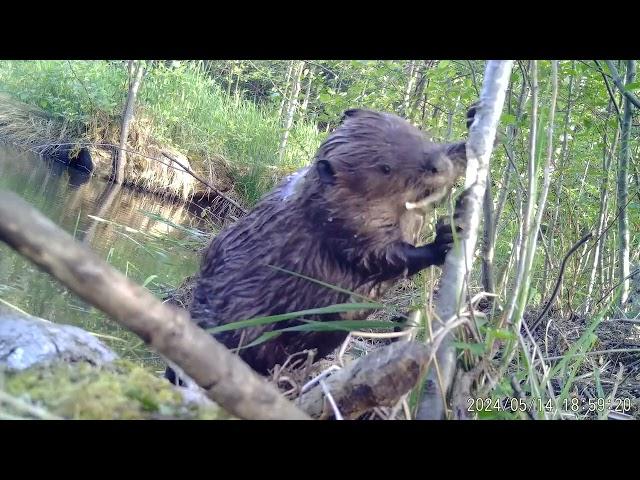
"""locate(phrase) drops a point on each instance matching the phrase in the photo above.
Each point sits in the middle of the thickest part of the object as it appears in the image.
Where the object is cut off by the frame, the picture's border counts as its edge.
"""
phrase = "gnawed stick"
(168, 330)
(378, 379)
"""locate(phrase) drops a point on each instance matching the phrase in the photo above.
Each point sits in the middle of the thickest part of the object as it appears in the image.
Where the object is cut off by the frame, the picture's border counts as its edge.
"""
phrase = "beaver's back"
(238, 282)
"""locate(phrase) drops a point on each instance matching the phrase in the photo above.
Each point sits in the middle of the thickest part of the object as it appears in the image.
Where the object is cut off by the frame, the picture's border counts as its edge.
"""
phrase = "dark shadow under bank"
(81, 166)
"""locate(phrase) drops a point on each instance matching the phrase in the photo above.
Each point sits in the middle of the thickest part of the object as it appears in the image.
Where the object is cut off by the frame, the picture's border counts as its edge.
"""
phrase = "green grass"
(186, 108)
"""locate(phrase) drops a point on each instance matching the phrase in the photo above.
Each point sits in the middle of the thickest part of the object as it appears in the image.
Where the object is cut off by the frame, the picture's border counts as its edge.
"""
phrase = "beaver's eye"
(386, 168)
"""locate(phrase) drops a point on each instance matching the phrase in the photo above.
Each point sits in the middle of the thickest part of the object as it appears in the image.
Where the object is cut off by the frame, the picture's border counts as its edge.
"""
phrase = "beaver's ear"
(354, 112)
(325, 172)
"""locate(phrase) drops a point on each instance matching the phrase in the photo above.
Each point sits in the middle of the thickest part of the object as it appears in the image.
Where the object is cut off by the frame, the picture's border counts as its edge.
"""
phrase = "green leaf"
(265, 337)
(503, 334)
(344, 307)
(508, 119)
(632, 86)
(474, 348)
(328, 285)
(149, 279)
(334, 325)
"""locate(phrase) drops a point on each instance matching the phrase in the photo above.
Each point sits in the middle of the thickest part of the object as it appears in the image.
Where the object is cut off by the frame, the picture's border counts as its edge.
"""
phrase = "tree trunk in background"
(421, 85)
(230, 78)
(460, 259)
(236, 93)
(287, 83)
(450, 116)
(617, 80)
(560, 166)
(488, 282)
(607, 157)
(291, 108)
(535, 228)
(407, 93)
(136, 69)
(307, 93)
(623, 187)
(512, 133)
(527, 215)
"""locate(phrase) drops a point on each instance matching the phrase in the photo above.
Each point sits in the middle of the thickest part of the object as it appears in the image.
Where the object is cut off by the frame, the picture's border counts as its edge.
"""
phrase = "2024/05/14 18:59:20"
(620, 405)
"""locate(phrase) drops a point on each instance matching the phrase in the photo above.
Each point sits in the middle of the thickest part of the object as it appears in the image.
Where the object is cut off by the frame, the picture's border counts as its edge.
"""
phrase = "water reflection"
(121, 225)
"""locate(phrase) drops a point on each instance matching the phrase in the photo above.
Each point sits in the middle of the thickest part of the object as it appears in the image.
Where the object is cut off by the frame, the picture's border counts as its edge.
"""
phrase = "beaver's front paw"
(461, 220)
(444, 240)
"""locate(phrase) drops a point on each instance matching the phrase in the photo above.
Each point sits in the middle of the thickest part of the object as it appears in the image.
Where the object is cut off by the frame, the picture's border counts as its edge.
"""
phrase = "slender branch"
(459, 260)
(559, 281)
(168, 330)
(618, 83)
(193, 174)
(611, 95)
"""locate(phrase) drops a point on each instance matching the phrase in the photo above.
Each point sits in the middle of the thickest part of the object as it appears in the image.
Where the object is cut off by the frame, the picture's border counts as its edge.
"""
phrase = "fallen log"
(168, 330)
(379, 379)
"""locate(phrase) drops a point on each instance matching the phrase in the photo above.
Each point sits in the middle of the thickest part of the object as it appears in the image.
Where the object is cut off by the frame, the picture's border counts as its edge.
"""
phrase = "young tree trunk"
(534, 232)
(488, 282)
(291, 108)
(623, 188)
(561, 165)
(230, 78)
(450, 116)
(460, 258)
(307, 93)
(628, 95)
(285, 92)
(512, 133)
(136, 70)
(525, 223)
(421, 86)
(607, 158)
(407, 93)
(236, 94)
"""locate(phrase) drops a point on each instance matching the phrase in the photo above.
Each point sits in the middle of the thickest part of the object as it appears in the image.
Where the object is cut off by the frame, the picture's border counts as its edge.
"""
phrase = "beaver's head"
(380, 164)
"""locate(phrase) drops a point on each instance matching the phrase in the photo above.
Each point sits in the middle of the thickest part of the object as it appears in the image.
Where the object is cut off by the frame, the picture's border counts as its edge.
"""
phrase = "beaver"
(351, 220)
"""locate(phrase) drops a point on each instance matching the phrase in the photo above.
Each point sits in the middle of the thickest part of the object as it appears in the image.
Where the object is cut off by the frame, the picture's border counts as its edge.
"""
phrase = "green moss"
(121, 391)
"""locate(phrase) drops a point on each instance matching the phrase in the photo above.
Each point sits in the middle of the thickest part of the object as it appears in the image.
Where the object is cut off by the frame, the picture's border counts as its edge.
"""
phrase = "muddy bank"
(152, 165)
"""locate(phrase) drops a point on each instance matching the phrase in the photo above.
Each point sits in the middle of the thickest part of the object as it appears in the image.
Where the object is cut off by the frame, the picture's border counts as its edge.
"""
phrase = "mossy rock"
(121, 390)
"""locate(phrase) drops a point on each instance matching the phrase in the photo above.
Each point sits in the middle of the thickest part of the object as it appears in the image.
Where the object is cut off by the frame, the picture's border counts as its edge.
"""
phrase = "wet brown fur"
(342, 221)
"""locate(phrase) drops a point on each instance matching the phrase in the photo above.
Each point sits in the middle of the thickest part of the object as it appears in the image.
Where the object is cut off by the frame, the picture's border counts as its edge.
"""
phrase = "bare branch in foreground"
(168, 330)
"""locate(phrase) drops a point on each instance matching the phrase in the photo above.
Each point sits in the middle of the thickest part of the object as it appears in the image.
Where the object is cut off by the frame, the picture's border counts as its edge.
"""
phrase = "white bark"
(291, 109)
(623, 187)
(560, 166)
(307, 93)
(460, 258)
(533, 236)
(286, 90)
(120, 160)
(527, 215)
(604, 199)
(407, 92)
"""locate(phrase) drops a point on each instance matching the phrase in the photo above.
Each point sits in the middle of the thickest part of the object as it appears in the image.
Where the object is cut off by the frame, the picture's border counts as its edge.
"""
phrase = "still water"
(150, 240)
